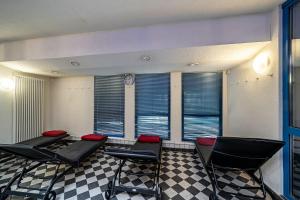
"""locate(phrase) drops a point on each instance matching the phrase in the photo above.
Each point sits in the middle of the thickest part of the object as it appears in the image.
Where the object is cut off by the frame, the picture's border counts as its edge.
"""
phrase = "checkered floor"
(182, 177)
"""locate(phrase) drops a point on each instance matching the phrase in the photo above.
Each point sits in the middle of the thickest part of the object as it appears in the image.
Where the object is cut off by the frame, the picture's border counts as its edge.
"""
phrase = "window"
(291, 97)
(295, 67)
(295, 96)
(202, 104)
(152, 104)
(109, 105)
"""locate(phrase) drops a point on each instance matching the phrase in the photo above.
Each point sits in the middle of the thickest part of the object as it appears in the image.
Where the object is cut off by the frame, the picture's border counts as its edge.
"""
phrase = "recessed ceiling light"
(55, 72)
(146, 58)
(75, 63)
(192, 64)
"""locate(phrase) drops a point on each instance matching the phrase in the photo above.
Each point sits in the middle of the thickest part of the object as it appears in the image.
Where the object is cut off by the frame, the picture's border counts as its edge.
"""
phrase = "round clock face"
(129, 79)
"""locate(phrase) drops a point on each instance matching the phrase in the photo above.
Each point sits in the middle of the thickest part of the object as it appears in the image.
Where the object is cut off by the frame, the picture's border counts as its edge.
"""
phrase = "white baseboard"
(167, 144)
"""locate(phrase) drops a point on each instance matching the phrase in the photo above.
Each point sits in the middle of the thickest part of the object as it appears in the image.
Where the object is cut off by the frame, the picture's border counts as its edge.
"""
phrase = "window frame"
(123, 130)
(220, 107)
(287, 130)
(169, 109)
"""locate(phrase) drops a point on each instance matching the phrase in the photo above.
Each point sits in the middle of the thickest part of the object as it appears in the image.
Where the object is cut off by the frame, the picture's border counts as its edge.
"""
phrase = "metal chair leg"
(111, 185)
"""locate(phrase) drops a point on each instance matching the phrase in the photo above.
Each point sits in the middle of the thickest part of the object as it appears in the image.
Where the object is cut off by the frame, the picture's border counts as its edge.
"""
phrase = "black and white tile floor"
(182, 177)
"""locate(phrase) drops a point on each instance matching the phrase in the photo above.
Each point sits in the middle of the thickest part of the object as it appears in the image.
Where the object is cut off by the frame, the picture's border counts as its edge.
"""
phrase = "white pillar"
(175, 100)
(129, 112)
(225, 104)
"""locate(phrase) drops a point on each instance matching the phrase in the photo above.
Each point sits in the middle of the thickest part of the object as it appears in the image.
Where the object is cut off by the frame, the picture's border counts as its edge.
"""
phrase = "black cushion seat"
(151, 147)
(143, 151)
(43, 140)
(78, 151)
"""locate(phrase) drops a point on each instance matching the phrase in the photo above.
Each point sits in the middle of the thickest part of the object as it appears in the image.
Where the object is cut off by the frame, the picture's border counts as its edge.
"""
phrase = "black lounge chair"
(34, 157)
(41, 141)
(141, 153)
(237, 154)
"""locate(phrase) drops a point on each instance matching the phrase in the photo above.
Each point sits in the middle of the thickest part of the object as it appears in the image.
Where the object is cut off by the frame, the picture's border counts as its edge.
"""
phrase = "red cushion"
(149, 138)
(207, 141)
(54, 133)
(93, 137)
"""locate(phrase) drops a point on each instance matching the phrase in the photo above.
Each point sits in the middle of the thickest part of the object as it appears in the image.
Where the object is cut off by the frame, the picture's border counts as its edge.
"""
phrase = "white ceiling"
(40, 18)
(210, 58)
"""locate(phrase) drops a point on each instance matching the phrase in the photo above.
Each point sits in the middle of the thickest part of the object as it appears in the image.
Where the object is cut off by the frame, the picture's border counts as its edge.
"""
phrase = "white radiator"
(28, 108)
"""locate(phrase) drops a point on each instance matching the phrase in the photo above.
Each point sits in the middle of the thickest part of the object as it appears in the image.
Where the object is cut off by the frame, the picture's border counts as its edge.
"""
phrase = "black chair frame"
(33, 157)
(211, 171)
(137, 157)
(211, 167)
(28, 166)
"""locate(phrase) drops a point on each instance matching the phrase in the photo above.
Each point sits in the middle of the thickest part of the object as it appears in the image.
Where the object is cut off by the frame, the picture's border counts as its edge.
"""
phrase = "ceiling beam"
(232, 30)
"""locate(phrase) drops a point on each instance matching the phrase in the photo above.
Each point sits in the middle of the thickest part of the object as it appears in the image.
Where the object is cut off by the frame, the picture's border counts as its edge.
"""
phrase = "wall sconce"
(262, 64)
(7, 84)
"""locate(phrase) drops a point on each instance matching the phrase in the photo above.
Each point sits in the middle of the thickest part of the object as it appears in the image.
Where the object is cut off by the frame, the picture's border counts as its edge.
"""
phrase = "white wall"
(72, 105)
(254, 105)
(6, 108)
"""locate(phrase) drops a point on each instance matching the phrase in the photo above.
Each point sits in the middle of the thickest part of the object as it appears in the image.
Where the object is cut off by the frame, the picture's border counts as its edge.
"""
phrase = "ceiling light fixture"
(55, 72)
(192, 64)
(7, 84)
(262, 64)
(146, 58)
(75, 63)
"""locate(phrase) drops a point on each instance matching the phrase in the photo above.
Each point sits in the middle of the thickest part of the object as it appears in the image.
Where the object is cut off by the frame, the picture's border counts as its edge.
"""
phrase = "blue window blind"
(202, 104)
(109, 105)
(152, 104)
